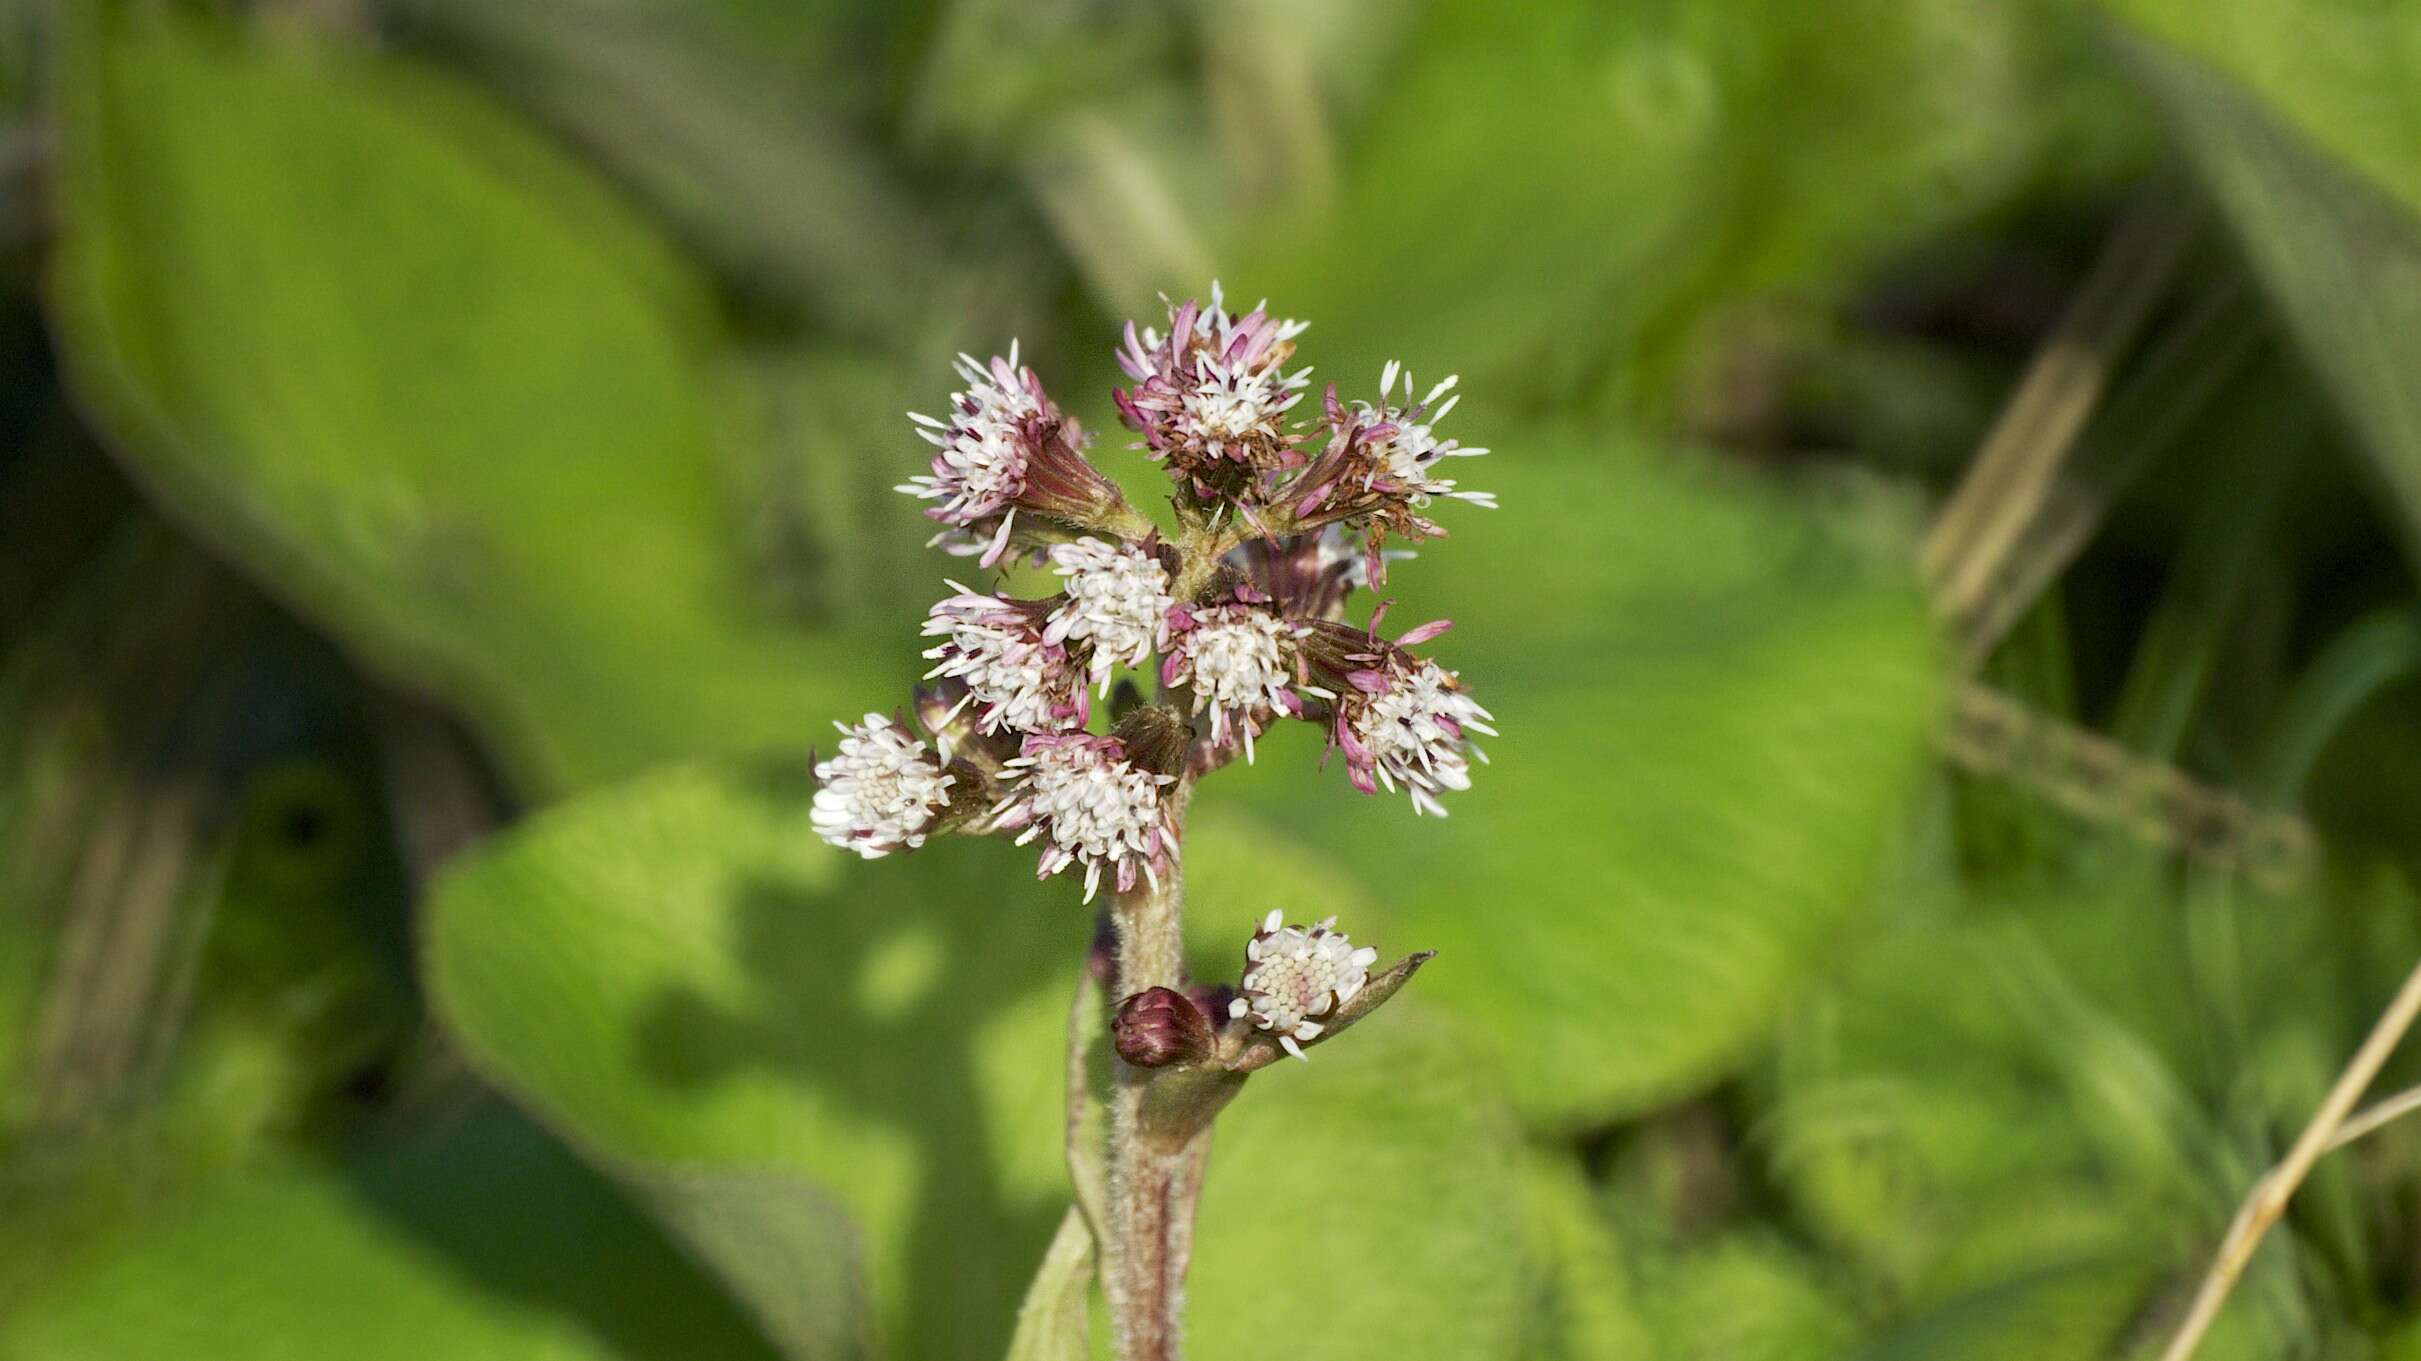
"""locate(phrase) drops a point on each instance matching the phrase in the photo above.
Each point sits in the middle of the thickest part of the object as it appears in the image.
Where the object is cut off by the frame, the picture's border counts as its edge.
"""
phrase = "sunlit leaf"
(677, 973)
(1055, 1322)
(1714, 703)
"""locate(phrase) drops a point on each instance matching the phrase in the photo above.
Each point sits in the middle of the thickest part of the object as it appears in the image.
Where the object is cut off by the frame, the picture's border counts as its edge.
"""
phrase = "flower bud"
(1159, 1027)
(1156, 738)
(944, 709)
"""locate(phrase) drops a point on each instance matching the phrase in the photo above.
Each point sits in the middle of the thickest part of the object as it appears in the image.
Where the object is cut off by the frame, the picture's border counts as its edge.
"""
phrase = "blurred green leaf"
(2338, 73)
(1055, 1322)
(785, 1249)
(189, 978)
(2305, 121)
(1569, 199)
(1745, 1297)
(1912, 1117)
(1592, 1311)
(677, 973)
(2079, 1308)
(1716, 697)
(488, 1244)
(717, 129)
(421, 374)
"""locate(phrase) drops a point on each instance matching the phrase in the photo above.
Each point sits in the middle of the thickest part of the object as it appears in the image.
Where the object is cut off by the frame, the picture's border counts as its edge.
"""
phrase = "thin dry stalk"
(2267, 1201)
(2020, 459)
(2373, 1117)
(2144, 418)
(2097, 779)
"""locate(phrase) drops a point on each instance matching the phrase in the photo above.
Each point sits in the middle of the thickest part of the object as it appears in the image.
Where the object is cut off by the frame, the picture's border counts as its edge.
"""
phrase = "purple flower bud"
(1159, 1027)
(1211, 398)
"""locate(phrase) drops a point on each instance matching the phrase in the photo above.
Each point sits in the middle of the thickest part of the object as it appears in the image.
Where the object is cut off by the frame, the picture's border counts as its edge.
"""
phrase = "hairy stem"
(1156, 1151)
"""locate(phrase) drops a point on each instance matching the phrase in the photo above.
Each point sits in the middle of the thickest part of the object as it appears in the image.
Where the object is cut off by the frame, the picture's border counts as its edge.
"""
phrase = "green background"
(445, 466)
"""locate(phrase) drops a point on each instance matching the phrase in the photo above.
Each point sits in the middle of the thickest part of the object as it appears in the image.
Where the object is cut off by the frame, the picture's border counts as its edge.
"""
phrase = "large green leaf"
(1745, 1297)
(1715, 703)
(487, 1244)
(1557, 205)
(1055, 1322)
(677, 974)
(419, 373)
(2338, 71)
(1590, 1310)
(2305, 121)
(752, 158)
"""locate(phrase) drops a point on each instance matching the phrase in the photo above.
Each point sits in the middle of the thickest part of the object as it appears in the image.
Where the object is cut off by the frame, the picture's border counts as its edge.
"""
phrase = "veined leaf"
(424, 377)
(487, 1244)
(1715, 706)
(676, 973)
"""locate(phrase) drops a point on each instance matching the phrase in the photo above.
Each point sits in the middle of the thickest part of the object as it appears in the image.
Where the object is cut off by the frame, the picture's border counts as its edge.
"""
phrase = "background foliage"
(1950, 825)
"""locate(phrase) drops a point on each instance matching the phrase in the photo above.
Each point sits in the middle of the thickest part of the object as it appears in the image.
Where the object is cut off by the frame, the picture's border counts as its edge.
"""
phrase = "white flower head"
(1293, 975)
(1405, 450)
(1096, 807)
(1240, 660)
(1409, 723)
(1005, 447)
(1212, 393)
(881, 790)
(1226, 409)
(1383, 467)
(1117, 601)
(985, 445)
(1019, 680)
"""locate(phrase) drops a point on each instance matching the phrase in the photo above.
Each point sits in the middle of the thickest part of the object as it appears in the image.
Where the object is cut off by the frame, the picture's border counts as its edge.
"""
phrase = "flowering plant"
(1234, 622)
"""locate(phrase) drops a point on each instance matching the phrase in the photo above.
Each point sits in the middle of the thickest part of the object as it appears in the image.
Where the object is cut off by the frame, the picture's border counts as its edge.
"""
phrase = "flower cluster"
(1187, 647)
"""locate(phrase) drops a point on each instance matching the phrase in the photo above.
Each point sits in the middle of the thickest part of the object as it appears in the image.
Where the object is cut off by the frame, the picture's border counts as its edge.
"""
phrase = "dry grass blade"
(2373, 1117)
(122, 952)
(2267, 1201)
(2145, 417)
(2020, 458)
